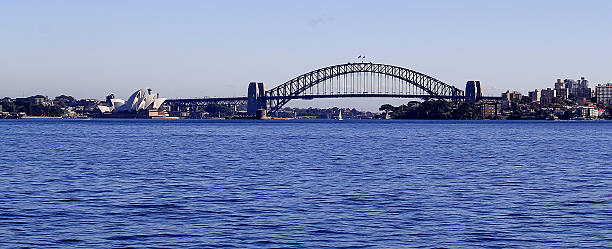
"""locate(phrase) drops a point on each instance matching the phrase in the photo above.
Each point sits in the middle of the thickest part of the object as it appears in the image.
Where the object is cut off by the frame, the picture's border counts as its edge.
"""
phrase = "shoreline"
(40, 117)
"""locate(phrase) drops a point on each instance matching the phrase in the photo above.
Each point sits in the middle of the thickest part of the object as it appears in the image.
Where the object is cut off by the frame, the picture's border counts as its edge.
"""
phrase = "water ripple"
(305, 184)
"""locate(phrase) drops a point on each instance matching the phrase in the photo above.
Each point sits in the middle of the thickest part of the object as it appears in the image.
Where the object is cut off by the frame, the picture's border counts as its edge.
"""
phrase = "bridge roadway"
(374, 95)
(208, 100)
(240, 99)
(227, 101)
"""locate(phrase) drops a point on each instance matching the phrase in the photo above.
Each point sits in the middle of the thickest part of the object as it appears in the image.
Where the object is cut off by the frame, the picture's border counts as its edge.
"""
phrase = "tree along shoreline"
(445, 110)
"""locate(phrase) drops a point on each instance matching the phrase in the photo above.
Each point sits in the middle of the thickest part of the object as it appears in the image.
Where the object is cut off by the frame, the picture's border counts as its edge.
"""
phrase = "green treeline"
(432, 109)
(441, 109)
(32, 109)
(218, 110)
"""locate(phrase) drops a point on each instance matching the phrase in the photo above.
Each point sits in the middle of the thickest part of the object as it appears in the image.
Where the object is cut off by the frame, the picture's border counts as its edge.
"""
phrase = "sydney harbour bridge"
(350, 80)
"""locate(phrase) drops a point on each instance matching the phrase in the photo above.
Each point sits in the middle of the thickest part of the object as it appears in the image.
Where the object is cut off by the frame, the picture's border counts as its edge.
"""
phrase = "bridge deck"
(324, 96)
(362, 95)
(211, 100)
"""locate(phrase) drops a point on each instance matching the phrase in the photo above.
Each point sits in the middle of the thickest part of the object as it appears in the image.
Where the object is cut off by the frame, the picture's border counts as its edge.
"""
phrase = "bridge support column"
(256, 99)
(473, 91)
(262, 114)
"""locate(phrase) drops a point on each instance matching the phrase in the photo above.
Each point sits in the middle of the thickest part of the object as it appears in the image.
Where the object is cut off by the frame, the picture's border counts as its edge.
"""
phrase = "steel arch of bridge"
(405, 83)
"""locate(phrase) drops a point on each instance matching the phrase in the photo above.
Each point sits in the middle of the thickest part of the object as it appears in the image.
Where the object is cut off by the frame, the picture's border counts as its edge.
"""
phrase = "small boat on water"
(340, 115)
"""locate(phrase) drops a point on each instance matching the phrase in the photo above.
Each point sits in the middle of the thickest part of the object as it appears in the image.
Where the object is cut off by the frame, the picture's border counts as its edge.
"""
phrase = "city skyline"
(194, 48)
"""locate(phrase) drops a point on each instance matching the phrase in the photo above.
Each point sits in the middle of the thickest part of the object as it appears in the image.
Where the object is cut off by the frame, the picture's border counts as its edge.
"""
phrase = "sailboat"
(340, 115)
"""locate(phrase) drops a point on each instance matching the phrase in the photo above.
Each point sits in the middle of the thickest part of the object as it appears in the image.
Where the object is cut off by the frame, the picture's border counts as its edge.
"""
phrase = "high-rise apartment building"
(573, 89)
(579, 89)
(535, 95)
(604, 93)
(547, 96)
(513, 96)
(560, 90)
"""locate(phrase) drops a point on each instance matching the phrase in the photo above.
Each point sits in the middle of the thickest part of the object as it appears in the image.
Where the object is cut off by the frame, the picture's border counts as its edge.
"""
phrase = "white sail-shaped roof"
(134, 100)
(139, 100)
(157, 103)
(138, 104)
(148, 100)
(118, 105)
(103, 108)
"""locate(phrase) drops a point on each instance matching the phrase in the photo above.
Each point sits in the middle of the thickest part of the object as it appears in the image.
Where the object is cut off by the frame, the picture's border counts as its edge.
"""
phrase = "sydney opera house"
(141, 104)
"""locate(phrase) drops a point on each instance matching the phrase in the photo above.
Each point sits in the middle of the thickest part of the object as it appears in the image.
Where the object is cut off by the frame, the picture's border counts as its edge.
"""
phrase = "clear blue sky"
(214, 48)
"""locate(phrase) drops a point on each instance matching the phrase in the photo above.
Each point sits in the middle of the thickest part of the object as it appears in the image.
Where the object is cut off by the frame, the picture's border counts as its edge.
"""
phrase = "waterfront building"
(510, 97)
(588, 112)
(547, 96)
(560, 111)
(562, 93)
(560, 89)
(490, 109)
(573, 89)
(604, 94)
(560, 84)
(109, 99)
(36, 99)
(513, 96)
(39, 99)
(583, 83)
(535, 95)
(140, 102)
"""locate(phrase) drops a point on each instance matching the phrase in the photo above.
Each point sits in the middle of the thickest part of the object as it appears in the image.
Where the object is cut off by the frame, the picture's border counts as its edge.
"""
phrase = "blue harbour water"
(305, 184)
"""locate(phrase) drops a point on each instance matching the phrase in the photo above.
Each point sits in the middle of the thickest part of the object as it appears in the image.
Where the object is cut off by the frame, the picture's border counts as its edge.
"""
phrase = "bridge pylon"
(256, 100)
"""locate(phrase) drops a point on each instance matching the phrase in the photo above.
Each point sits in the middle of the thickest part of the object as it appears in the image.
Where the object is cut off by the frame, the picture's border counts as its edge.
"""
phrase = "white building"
(139, 100)
(588, 112)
